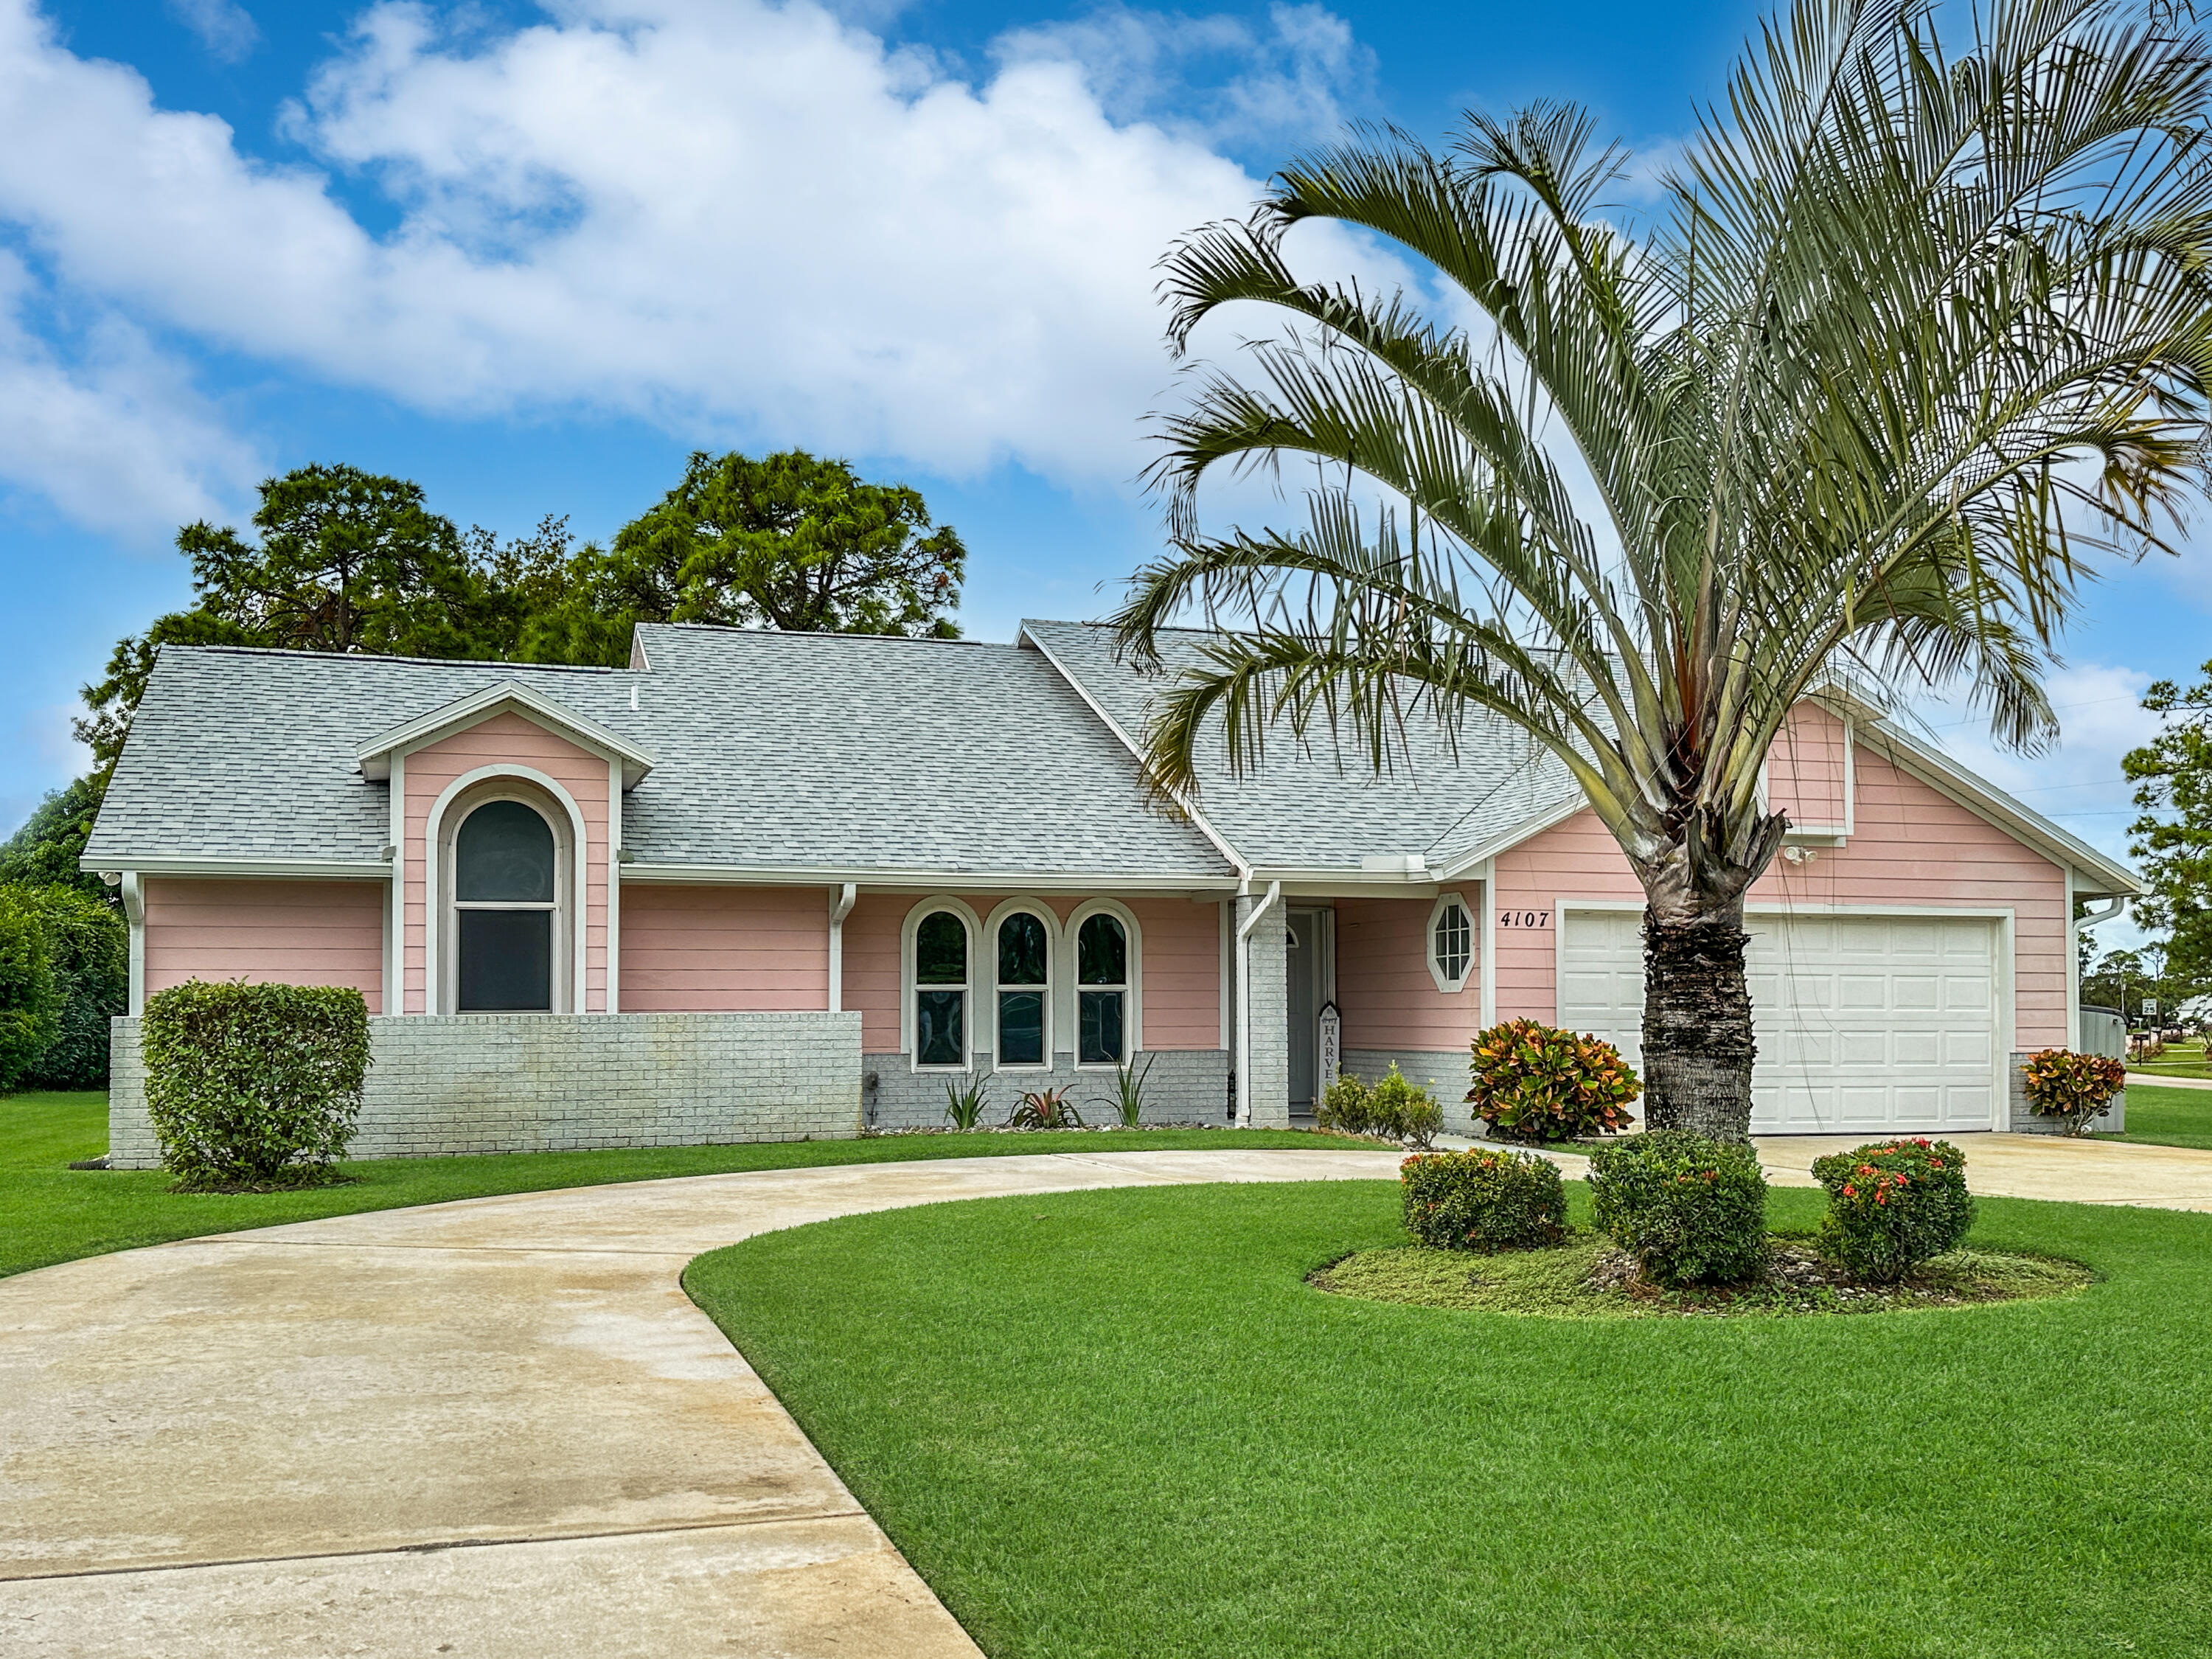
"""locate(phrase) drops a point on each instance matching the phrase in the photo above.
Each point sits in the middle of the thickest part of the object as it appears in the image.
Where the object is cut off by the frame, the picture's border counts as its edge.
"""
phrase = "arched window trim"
(907, 929)
(1445, 983)
(1133, 1013)
(571, 849)
(1053, 976)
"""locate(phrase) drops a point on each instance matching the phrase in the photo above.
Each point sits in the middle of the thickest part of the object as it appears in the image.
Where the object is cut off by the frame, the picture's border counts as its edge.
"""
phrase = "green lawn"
(2179, 1060)
(50, 1212)
(1121, 1422)
(2168, 1117)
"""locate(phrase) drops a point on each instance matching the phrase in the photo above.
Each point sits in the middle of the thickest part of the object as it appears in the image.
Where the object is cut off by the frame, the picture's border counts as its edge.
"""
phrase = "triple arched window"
(1020, 987)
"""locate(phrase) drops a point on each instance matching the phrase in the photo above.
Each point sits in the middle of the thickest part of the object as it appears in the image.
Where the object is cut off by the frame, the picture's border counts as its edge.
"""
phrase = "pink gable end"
(504, 740)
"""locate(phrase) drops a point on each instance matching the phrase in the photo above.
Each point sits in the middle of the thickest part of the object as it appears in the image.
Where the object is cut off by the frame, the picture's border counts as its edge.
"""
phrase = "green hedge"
(1893, 1205)
(30, 1002)
(1480, 1200)
(88, 947)
(254, 1086)
(1690, 1211)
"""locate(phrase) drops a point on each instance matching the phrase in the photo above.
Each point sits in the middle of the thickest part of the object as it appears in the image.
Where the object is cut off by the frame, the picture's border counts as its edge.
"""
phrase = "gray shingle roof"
(1304, 806)
(773, 750)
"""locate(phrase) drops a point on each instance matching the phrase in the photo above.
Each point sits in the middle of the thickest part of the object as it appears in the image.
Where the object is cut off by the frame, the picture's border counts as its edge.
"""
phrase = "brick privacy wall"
(1443, 1074)
(2025, 1120)
(1183, 1085)
(1269, 1009)
(532, 1083)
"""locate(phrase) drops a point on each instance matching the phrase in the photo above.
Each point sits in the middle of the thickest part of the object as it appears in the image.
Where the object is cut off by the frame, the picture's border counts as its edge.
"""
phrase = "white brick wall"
(526, 1083)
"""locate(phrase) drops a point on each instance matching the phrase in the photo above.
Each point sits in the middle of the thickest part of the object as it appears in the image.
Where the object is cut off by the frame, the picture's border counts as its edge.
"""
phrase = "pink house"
(773, 884)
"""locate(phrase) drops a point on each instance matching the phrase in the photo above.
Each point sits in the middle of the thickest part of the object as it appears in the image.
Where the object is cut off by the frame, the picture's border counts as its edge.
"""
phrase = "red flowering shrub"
(2077, 1087)
(1892, 1205)
(1483, 1200)
(1533, 1082)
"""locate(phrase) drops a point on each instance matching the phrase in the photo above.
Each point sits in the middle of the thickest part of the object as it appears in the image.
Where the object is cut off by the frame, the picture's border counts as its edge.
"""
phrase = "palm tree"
(1914, 332)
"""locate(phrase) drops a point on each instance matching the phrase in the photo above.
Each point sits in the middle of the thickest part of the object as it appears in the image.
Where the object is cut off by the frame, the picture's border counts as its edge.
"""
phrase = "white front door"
(1865, 1023)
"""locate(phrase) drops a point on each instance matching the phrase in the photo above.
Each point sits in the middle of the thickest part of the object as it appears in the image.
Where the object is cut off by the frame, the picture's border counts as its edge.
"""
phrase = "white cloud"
(112, 434)
(226, 28)
(743, 220)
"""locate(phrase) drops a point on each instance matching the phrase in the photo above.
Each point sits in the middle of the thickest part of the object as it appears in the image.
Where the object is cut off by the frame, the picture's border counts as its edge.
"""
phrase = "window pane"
(1102, 953)
(506, 961)
(940, 1036)
(504, 852)
(940, 949)
(1455, 942)
(1021, 951)
(1021, 1028)
(1101, 1019)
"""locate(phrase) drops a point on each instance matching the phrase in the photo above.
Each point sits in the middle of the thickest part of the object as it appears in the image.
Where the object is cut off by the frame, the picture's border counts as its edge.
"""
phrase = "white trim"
(133, 889)
(1054, 973)
(1244, 1001)
(2000, 976)
(889, 879)
(610, 999)
(907, 986)
(1488, 966)
(1527, 830)
(297, 869)
(1198, 819)
(1450, 985)
(1132, 989)
(395, 904)
(841, 900)
(2073, 968)
(375, 757)
(436, 996)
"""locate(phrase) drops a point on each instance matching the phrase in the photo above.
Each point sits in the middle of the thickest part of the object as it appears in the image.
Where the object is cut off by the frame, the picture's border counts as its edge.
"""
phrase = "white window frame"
(1133, 990)
(1045, 914)
(1450, 985)
(910, 985)
(559, 809)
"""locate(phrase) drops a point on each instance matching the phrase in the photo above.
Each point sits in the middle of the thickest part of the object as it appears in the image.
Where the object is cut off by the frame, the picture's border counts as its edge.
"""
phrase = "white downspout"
(134, 912)
(1486, 970)
(840, 906)
(1244, 1001)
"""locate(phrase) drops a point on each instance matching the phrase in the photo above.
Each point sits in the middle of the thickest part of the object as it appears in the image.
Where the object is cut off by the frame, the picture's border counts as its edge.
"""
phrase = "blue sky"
(531, 257)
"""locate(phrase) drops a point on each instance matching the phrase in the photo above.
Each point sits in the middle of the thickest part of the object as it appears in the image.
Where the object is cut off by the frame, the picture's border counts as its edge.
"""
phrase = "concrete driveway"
(499, 1429)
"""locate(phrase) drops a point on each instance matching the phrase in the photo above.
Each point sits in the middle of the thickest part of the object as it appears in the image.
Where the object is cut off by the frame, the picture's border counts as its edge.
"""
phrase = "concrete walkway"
(2152, 1080)
(499, 1429)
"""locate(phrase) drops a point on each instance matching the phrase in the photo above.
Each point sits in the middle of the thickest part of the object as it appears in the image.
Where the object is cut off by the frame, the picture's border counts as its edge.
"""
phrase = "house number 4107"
(1524, 918)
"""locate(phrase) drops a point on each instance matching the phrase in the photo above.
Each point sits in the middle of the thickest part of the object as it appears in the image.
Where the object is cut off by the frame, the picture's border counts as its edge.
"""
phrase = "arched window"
(506, 879)
(1451, 942)
(1102, 995)
(940, 990)
(1024, 950)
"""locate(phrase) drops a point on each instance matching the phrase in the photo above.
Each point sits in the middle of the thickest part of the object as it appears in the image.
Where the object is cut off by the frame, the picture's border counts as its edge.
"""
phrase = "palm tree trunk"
(1698, 1046)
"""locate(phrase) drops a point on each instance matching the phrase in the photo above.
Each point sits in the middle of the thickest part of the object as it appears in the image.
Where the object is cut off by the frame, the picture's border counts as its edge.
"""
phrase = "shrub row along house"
(766, 885)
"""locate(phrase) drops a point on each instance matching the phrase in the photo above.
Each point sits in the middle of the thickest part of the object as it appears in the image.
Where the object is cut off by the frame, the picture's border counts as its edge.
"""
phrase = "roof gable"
(374, 757)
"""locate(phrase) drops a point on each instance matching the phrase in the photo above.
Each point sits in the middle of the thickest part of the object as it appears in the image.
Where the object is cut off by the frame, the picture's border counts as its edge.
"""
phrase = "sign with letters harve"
(1332, 1043)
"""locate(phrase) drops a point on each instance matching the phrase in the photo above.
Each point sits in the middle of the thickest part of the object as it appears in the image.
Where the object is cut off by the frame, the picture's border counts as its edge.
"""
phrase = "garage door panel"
(1865, 1024)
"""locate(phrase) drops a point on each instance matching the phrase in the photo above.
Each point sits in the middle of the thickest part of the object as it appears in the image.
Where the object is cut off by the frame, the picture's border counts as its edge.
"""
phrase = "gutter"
(840, 907)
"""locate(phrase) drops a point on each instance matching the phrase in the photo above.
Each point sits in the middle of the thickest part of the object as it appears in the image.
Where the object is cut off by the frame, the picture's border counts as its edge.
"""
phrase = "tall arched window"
(506, 879)
(940, 990)
(1102, 995)
(1024, 950)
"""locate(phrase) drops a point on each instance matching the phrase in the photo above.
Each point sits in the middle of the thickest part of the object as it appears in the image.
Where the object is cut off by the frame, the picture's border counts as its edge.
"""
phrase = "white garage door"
(1866, 1024)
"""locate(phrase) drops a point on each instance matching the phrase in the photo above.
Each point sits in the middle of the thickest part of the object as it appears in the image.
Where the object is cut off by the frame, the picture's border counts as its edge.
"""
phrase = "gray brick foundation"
(1183, 1085)
(1443, 1074)
(2024, 1120)
(530, 1083)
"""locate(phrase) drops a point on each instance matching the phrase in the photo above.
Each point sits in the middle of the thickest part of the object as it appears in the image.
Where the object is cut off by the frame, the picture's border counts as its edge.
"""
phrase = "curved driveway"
(498, 1428)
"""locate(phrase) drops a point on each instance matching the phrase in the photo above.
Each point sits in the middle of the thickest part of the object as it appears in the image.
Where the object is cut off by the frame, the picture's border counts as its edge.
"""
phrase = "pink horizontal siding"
(506, 740)
(1180, 971)
(1912, 846)
(268, 933)
(1807, 768)
(1383, 988)
(725, 950)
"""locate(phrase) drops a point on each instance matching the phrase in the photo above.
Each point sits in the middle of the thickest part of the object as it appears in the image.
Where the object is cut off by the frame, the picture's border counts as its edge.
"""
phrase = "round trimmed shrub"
(1893, 1205)
(1483, 1200)
(1393, 1109)
(2062, 1083)
(1535, 1082)
(253, 1086)
(1692, 1211)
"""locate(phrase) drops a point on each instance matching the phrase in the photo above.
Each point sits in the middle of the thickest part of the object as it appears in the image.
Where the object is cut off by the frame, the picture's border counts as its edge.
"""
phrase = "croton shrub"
(2076, 1088)
(253, 1086)
(1893, 1205)
(1535, 1082)
(1482, 1200)
(1692, 1211)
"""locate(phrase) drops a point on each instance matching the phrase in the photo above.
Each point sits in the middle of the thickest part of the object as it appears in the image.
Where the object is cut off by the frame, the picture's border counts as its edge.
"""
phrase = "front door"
(1301, 1006)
